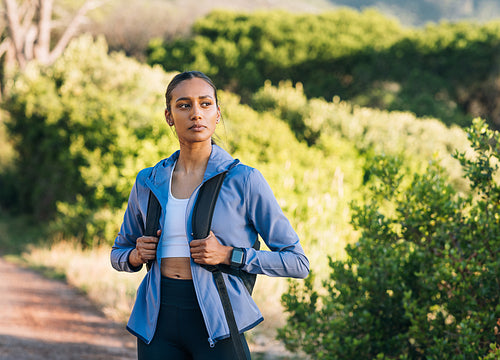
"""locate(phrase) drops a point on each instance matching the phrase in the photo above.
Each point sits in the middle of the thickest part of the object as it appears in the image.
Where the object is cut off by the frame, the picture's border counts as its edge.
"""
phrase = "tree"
(28, 29)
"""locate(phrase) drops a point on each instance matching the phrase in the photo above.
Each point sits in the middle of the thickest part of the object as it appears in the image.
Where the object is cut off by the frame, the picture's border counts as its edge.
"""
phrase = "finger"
(147, 240)
(147, 247)
(209, 236)
(195, 252)
(198, 256)
(196, 243)
(204, 260)
(147, 254)
(151, 244)
(151, 239)
(158, 233)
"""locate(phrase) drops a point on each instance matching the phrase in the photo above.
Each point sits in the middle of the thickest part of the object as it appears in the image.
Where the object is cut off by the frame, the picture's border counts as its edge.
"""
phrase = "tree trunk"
(42, 48)
(15, 31)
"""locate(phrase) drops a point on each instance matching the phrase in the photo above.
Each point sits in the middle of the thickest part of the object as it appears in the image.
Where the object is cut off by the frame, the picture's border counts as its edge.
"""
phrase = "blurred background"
(358, 113)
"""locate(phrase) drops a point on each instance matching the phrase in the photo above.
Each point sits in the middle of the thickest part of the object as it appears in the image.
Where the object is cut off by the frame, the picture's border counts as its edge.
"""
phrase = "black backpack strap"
(152, 220)
(204, 207)
(229, 313)
(201, 222)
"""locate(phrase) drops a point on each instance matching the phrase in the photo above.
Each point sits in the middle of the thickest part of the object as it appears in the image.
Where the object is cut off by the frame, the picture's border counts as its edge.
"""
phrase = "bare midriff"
(176, 267)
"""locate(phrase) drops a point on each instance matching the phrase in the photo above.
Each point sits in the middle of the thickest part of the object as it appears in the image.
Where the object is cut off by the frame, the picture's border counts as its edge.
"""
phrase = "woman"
(178, 313)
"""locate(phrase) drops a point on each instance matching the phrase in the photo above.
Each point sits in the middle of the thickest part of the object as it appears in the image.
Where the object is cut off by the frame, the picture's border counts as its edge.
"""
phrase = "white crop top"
(175, 242)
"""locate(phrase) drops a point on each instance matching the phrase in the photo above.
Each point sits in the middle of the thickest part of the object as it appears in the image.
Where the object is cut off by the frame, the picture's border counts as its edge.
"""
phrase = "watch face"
(237, 256)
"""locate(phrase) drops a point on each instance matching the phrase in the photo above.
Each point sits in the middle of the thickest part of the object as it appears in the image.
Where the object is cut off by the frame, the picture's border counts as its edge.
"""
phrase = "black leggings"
(181, 333)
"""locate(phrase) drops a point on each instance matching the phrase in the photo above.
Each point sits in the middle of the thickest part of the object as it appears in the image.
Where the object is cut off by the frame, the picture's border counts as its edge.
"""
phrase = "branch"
(4, 46)
(15, 30)
(28, 31)
(28, 15)
(73, 28)
(26, 6)
(44, 27)
(29, 43)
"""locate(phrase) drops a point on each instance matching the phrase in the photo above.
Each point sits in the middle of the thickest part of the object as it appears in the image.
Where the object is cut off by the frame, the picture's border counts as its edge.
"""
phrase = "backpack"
(201, 222)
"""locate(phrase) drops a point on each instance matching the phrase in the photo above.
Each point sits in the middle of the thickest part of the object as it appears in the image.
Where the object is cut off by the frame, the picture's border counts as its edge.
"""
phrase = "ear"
(218, 115)
(168, 118)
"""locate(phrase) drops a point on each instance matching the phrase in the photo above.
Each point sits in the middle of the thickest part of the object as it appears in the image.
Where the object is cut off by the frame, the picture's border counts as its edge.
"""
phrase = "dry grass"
(90, 271)
(114, 292)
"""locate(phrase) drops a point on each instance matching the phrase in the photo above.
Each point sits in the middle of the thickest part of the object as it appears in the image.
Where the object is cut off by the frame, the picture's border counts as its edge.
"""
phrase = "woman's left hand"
(209, 251)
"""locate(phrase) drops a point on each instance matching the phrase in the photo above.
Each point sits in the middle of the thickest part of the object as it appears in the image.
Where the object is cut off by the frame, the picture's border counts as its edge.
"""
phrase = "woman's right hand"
(145, 250)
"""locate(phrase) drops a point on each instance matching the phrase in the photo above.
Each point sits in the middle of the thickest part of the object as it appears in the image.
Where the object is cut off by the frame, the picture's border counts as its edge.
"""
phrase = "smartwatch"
(237, 258)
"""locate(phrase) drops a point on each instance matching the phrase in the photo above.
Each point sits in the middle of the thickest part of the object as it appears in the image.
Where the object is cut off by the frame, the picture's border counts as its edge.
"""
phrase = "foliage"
(447, 71)
(29, 28)
(316, 177)
(422, 282)
(81, 129)
(241, 50)
(308, 183)
(313, 153)
(81, 177)
(321, 123)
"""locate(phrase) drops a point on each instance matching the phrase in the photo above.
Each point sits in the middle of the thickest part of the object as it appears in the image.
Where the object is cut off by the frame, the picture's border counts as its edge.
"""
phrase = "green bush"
(86, 126)
(81, 130)
(322, 124)
(242, 50)
(422, 282)
(447, 71)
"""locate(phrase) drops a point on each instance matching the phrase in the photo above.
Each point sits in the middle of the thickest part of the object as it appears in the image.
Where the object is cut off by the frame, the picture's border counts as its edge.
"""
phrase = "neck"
(194, 157)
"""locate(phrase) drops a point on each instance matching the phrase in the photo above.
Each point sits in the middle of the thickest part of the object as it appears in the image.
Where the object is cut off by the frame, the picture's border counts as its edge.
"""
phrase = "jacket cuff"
(133, 268)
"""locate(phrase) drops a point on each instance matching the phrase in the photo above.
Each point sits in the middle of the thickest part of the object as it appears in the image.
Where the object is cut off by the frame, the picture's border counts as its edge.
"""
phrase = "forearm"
(292, 264)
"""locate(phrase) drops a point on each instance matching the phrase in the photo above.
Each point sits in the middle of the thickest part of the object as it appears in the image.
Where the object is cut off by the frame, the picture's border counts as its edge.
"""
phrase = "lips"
(197, 127)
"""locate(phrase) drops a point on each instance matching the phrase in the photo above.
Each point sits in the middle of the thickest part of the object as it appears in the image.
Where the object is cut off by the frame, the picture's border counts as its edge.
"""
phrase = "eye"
(183, 105)
(206, 103)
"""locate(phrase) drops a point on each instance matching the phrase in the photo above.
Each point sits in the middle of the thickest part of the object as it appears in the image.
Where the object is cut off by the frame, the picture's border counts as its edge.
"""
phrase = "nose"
(195, 112)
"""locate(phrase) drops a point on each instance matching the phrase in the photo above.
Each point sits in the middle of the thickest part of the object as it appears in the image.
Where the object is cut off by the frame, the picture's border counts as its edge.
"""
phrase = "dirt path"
(43, 319)
(47, 319)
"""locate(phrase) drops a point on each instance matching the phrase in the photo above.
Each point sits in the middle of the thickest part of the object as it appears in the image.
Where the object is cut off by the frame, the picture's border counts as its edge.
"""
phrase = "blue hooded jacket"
(246, 207)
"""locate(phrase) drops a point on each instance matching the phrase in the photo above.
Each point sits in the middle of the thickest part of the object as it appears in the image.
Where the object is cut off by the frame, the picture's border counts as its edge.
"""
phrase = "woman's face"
(193, 111)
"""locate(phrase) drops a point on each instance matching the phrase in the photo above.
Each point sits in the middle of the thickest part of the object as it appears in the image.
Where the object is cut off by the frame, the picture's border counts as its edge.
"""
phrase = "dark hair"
(187, 75)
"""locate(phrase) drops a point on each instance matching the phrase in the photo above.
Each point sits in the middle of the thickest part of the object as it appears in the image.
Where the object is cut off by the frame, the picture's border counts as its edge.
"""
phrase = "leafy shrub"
(311, 184)
(81, 130)
(321, 123)
(87, 125)
(446, 71)
(242, 50)
(422, 282)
